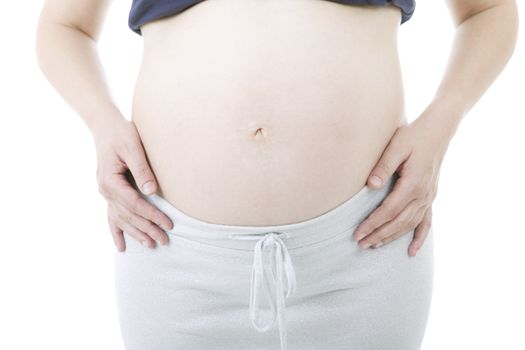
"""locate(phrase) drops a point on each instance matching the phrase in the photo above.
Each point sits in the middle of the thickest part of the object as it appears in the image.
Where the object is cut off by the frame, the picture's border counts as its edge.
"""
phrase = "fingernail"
(359, 236)
(148, 187)
(378, 244)
(364, 246)
(376, 180)
(164, 227)
(145, 244)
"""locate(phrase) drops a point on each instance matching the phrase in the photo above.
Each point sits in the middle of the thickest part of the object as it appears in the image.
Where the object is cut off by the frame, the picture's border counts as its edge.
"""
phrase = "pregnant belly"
(267, 112)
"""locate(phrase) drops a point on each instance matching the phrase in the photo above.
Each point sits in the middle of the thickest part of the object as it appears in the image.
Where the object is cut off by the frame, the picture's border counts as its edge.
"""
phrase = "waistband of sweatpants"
(337, 220)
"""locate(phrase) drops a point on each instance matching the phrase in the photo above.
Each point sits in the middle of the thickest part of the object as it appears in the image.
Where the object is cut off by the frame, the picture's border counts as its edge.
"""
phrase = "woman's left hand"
(415, 152)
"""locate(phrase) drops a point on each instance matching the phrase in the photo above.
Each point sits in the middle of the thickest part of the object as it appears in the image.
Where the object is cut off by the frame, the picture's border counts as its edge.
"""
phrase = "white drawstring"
(279, 259)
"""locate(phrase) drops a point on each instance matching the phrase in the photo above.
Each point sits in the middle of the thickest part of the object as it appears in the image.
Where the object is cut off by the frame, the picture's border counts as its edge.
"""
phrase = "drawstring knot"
(271, 264)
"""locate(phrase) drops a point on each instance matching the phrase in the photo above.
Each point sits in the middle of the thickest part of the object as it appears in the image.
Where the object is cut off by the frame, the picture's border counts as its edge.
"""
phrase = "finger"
(116, 232)
(402, 224)
(385, 241)
(142, 224)
(117, 235)
(128, 197)
(135, 233)
(396, 201)
(137, 163)
(392, 157)
(420, 233)
(400, 232)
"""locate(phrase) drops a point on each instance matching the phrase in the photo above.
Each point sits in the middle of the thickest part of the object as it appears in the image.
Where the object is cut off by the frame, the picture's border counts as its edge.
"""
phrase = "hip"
(306, 285)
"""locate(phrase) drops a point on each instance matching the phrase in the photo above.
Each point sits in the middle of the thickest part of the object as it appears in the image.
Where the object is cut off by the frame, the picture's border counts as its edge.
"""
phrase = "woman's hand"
(119, 148)
(415, 152)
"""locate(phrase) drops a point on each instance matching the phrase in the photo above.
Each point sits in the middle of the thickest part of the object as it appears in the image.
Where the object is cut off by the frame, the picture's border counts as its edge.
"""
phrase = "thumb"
(390, 160)
(141, 171)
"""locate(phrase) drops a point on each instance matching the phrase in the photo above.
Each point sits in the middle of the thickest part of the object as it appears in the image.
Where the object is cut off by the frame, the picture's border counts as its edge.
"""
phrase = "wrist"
(104, 123)
(443, 118)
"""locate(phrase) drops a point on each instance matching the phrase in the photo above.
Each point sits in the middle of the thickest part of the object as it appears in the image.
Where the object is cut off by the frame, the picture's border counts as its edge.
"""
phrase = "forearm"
(481, 48)
(69, 59)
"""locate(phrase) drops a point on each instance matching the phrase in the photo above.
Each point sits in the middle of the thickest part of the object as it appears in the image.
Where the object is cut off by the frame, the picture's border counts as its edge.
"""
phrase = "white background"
(56, 252)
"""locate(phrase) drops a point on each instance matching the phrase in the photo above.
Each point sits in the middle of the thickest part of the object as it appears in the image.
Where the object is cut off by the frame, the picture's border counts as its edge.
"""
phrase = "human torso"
(267, 112)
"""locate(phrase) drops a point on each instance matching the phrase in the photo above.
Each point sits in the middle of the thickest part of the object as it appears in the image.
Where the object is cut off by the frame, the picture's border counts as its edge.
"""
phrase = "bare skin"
(270, 131)
(274, 142)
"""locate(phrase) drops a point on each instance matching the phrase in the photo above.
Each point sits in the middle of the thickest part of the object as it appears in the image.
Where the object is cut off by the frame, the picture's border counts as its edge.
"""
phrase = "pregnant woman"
(258, 130)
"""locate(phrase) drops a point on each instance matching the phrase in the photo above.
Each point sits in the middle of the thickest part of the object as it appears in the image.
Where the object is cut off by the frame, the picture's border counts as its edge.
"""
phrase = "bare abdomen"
(267, 112)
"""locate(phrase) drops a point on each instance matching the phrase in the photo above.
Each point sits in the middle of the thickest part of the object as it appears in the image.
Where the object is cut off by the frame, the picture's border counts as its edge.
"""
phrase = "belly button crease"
(259, 132)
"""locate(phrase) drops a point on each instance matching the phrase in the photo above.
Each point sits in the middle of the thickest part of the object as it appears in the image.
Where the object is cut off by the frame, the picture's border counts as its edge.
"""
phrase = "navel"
(259, 132)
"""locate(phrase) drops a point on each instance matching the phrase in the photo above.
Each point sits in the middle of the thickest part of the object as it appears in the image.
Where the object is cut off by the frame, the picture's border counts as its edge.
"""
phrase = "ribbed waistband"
(337, 220)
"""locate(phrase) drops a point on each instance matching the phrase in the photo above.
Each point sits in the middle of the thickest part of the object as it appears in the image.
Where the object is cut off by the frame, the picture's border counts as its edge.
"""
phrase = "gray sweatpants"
(298, 286)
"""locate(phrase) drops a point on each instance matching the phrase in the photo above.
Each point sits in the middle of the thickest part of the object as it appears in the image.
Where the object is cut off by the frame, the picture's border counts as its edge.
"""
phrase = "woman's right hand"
(119, 148)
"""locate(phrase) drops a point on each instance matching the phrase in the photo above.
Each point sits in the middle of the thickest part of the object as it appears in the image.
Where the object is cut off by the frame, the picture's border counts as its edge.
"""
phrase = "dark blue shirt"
(143, 11)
